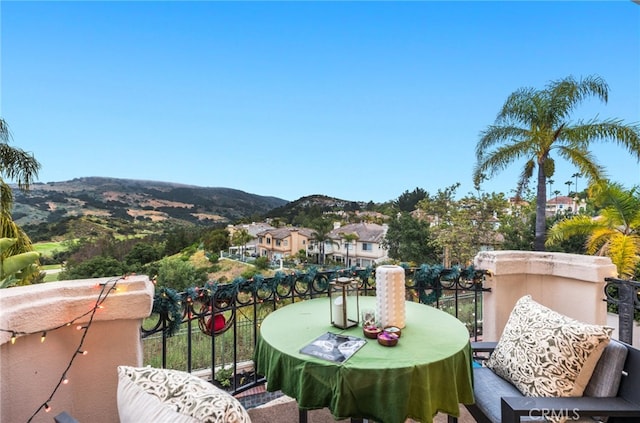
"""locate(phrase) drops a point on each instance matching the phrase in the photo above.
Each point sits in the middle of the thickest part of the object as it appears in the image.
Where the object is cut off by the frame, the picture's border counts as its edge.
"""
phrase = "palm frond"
(610, 130)
(577, 225)
(494, 135)
(583, 160)
(623, 253)
(597, 242)
(5, 134)
(565, 94)
(525, 176)
(519, 107)
(620, 207)
(18, 165)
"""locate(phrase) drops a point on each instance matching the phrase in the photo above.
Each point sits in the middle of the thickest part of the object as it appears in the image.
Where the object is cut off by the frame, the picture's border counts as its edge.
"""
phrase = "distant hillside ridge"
(320, 203)
(131, 199)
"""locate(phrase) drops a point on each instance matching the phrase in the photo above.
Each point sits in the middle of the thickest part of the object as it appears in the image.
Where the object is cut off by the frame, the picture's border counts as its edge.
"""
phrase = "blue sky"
(355, 100)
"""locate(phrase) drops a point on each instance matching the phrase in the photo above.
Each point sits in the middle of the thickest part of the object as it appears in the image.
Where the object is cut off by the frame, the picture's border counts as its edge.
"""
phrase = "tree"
(21, 167)
(460, 228)
(95, 267)
(179, 275)
(407, 201)
(142, 253)
(14, 268)
(348, 239)
(615, 233)
(320, 236)
(408, 239)
(16, 164)
(534, 123)
(240, 239)
(179, 237)
(568, 184)
(216, 240)
(518, 228)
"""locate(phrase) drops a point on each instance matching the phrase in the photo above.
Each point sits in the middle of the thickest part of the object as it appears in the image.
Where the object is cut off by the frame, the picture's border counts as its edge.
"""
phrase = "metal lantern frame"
(344, 302)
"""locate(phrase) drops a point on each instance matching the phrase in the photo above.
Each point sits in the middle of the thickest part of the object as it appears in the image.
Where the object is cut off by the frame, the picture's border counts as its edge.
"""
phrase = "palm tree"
(550, 182)
(320, 235)
(240, 239)
(348, 239)
(22, 167)
(615, 233)
(576, 175)
(16, 164)
(568, 184)
(534, 123)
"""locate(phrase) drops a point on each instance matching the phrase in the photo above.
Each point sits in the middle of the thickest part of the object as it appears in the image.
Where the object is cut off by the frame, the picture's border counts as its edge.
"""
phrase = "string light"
(106, 288)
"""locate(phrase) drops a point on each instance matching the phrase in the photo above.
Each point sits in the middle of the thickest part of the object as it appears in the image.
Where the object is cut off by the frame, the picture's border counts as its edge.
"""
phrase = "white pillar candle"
(390, 296)
(338, 311)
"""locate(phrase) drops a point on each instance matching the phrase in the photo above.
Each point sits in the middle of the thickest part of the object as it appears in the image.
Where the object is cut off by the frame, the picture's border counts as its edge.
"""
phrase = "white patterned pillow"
(173, 396)
(546, 354)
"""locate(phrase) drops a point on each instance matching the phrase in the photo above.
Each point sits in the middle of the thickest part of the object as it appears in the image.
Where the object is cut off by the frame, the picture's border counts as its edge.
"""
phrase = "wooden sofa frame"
(625, 407)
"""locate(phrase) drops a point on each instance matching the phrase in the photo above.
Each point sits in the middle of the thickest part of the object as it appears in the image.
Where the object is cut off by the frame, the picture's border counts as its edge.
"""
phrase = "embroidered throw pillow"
(546, 354)
(163, 395)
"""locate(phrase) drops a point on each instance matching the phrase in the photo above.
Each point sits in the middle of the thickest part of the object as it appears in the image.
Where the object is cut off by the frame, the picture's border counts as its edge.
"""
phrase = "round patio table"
(427, 372)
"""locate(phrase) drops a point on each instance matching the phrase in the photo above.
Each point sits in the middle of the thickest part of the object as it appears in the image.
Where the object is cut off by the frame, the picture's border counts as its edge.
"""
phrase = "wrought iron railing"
(622, 297)
(215, 327)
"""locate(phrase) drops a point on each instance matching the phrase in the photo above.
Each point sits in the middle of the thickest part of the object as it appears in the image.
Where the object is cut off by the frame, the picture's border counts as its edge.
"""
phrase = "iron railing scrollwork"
(229, 315)
(623, 295)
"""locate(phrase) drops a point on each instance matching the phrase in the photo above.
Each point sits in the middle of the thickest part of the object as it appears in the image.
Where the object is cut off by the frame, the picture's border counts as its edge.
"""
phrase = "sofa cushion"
(544, 353)
(147, 394)
(488, 389)
(606, 377)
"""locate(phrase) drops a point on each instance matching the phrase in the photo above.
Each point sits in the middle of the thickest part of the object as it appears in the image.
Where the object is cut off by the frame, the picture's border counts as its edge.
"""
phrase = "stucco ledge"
(571, 266)
(35, 308)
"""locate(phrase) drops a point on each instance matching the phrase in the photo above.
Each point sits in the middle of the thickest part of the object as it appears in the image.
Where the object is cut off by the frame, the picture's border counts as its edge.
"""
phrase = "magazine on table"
(334, 347)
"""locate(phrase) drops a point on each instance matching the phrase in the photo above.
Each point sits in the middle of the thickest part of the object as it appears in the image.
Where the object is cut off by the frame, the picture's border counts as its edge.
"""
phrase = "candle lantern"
(345, 306)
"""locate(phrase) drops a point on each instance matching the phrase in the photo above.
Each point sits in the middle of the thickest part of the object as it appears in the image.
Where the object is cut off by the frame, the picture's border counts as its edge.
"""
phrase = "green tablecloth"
(427, 372)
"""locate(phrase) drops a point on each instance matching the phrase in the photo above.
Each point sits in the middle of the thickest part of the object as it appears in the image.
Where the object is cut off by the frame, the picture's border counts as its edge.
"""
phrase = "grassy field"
(48, 248)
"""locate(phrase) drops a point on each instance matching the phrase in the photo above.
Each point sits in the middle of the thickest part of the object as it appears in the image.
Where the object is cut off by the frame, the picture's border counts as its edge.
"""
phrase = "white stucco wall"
(571, 284)
(30, 369)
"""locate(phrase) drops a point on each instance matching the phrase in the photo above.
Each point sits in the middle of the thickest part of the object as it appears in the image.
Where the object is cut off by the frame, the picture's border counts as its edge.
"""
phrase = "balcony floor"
(284, 409)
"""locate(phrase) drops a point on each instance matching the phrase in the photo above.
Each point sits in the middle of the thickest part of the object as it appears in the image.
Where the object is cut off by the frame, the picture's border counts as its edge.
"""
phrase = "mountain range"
(132, 200)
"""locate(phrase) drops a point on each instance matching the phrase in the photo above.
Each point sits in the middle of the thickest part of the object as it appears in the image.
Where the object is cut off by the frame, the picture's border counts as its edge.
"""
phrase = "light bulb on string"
(43, 337)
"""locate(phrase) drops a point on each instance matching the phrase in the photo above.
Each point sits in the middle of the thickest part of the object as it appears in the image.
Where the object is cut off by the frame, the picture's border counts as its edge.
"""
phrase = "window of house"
(285, 242)
(278, 242)
(366, 246)
(268, 240)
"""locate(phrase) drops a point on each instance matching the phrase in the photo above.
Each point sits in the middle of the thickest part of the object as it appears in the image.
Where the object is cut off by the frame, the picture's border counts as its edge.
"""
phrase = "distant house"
(515, 204)
(365, 250)
(563, 204)
(253, 229)
(278, 243)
